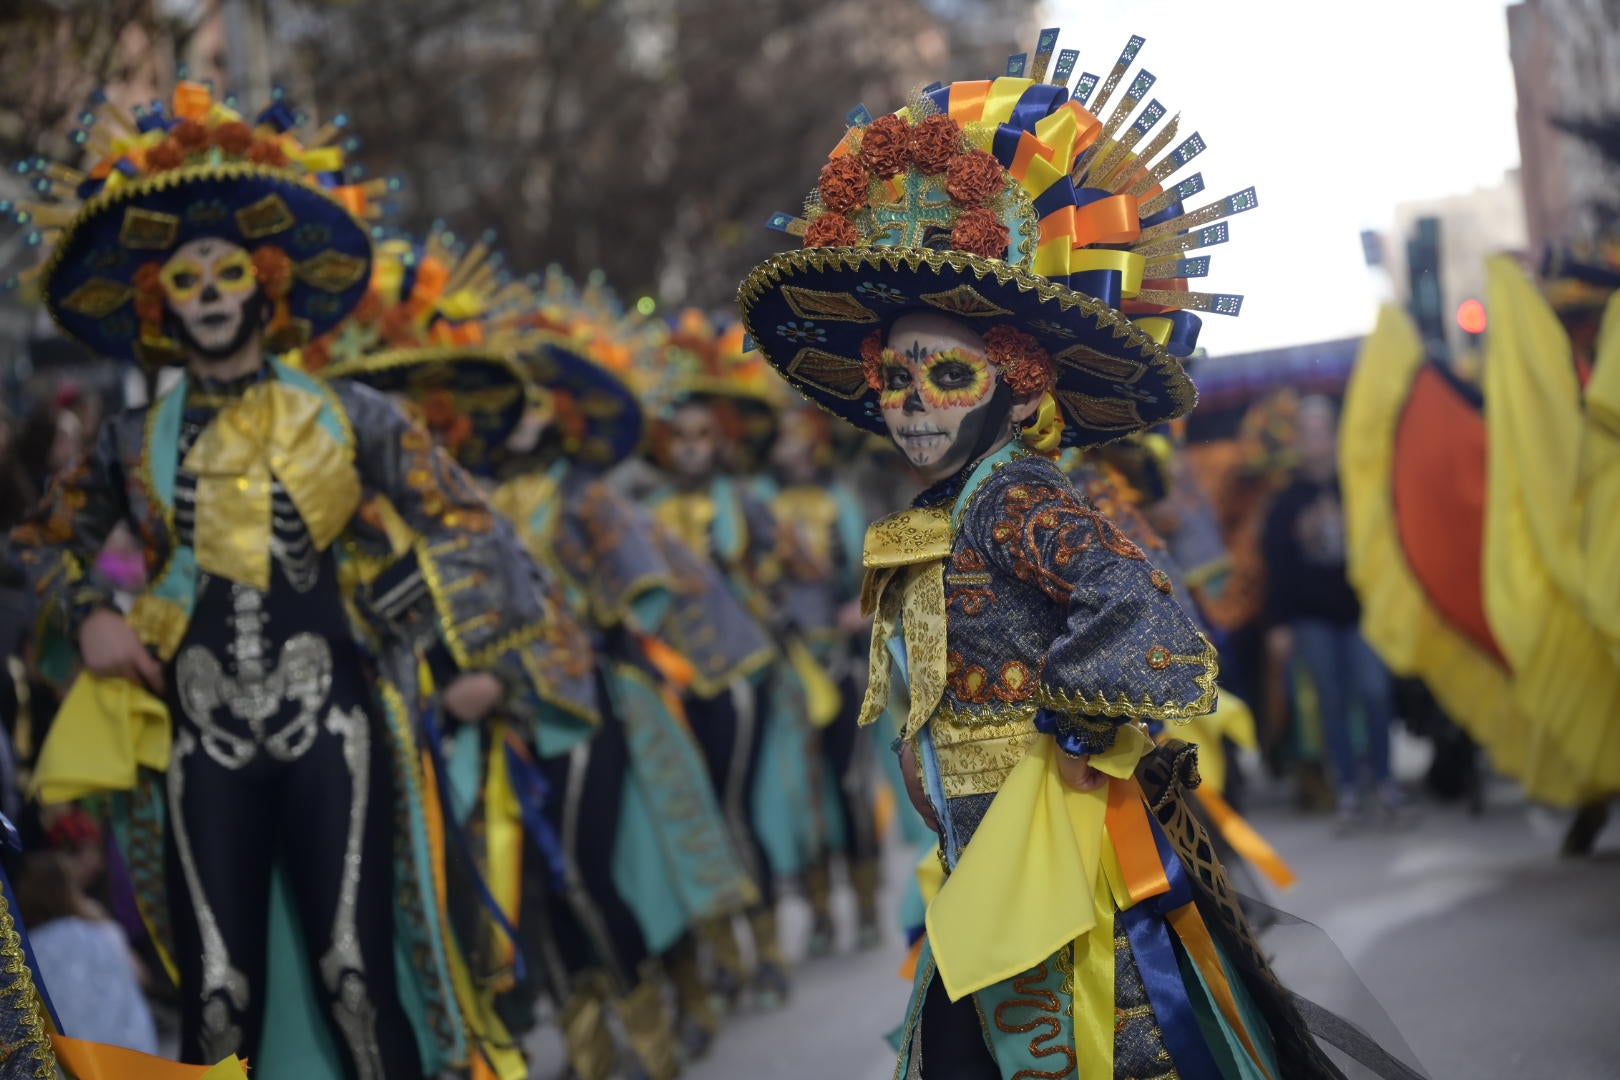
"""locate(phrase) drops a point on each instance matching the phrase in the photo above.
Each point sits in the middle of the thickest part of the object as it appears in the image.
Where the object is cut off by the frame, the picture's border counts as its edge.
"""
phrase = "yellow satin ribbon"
(273, 427)
(503, 841)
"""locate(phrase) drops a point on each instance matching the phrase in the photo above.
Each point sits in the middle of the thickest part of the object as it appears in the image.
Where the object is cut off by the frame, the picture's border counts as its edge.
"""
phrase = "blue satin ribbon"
(9, 837)
(458, 835)
(1105, 285)
(1184, 327)
(1147, 926)
(1036, 103)
(530, 787)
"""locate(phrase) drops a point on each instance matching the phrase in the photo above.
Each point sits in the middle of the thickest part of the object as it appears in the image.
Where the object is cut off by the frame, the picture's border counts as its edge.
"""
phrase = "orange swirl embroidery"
(1047, 1039)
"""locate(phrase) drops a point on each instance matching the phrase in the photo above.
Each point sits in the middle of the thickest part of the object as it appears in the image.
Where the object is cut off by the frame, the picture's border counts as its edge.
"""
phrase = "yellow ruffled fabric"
(1411, 636)
(1566, 678)
(104, 732)
(1036, 853)
(1600, 482)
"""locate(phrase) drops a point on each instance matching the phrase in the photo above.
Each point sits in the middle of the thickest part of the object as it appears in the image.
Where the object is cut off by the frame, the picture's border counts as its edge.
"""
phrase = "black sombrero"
(1011, 202)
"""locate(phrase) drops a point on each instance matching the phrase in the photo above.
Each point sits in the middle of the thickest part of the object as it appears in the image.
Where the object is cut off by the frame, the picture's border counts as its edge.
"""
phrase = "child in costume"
(266, 684)
(949, 294)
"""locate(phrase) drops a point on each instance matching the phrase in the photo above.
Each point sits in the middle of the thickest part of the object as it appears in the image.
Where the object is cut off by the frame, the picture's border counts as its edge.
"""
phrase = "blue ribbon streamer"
(530, 787)
(1147, 926)
(10, 838)
(458, 834)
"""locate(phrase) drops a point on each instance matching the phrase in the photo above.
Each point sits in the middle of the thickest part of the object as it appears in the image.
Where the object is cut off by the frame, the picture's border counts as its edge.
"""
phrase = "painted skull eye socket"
(951, 375)
(181, 279)
(235, 272)
(896, 377)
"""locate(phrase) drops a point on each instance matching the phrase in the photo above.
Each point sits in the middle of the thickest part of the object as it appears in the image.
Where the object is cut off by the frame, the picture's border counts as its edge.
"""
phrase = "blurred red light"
(1471, 316)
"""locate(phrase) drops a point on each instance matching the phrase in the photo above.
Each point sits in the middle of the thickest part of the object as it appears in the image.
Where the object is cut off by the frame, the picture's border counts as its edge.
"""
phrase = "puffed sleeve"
(1122, 648)
(630, 576)
(494, 608)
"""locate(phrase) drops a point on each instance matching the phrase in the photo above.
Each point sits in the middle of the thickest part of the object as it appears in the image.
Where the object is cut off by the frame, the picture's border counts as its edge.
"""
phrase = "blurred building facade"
(1566, 66)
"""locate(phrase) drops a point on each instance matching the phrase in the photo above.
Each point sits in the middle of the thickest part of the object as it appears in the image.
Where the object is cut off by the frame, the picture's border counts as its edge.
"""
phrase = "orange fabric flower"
(980, 232)
(190, 136)
(844, 183)
(148, 283)
(164, 156)
(974, 178)
(872, 359)
(886, 146)
(273, 269)
(831, 230)
(267, 152)
(399, 326)
(934, 142)
(1025, 366)
(233, 137)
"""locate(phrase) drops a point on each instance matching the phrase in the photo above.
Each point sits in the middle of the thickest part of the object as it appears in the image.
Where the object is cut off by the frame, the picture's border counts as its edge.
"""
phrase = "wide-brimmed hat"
(1008, 202)
(184, 169)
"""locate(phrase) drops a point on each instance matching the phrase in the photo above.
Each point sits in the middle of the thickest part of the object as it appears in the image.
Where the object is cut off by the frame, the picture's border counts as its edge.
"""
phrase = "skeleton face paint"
(209, 286)
(937, 390)
(694, 442)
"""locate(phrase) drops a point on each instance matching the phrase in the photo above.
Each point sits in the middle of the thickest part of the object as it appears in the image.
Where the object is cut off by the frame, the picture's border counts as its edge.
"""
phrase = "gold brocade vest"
(905, 555)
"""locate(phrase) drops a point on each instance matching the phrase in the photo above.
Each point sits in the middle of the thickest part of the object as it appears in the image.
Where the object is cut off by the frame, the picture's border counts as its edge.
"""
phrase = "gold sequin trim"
(1102, 705)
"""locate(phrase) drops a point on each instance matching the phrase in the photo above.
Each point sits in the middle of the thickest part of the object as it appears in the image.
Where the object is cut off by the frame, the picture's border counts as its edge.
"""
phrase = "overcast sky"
(1335, 111)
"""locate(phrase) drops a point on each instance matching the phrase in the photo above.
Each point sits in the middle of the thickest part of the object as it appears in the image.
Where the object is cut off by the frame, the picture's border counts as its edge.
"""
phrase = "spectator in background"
(89, 971)
(1317, 615)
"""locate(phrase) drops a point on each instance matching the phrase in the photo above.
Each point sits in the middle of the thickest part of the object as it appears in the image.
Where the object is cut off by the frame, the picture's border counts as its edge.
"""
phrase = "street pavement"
(1494, 957)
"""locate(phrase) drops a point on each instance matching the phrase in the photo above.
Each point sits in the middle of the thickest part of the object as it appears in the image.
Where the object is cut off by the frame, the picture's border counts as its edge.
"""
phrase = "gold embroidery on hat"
(1100, 413)
(837, 375)
(98, 297)
(1113, 368)
(832, 306)
(965, 301)
(331, 271)
(148, 230)
(264, 218)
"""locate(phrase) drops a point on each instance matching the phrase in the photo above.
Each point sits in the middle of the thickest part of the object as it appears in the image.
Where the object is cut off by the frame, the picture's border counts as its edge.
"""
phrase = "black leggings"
(328, 817)
(848, 755)
(952, 1039)
(592, 926)
(727, 729)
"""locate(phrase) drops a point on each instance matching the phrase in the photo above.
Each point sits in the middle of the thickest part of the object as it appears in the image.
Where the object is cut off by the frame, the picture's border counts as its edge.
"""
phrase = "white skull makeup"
(695, 442)
(937, 388)
(208, 285)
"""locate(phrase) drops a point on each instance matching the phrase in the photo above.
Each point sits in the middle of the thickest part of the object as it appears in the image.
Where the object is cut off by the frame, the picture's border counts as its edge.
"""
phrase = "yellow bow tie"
(905, 557)
(273, 428)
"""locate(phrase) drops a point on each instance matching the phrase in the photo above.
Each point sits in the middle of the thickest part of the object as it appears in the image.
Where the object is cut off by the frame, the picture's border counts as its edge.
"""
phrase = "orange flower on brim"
(974, 178)
(267, 152)
(872, 359)
(843, 185)
(233, 137)
(934, 142)
(1025, 366)
(190, 136)
(831, 230)
(980, 232)
(164, 156)
(886, 146)
(273, 269)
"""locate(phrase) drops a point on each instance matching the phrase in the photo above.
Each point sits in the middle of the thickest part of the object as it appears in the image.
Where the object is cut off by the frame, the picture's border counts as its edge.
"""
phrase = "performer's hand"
(471, 695)
(110, 648)
(1078, 773)
(914, 786)
(850, 619)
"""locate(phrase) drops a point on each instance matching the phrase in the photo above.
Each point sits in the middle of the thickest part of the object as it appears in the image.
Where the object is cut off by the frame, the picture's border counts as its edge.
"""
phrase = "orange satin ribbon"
(1132, 837)
(97, 1061)
(908, 967)
(1243, 837)
(467, 333)
(674, 667)
(967, 100)
(1195, 938)
(192, 100)
(353, 198)
(431, 278)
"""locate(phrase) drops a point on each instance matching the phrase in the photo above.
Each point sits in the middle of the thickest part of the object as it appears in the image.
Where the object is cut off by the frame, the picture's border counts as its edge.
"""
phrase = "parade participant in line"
(820, 592)
(951, 294)
(448, 333)
(268, 691)
(703, 383)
